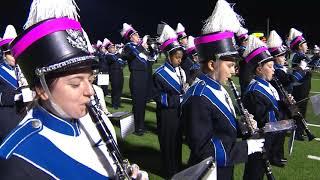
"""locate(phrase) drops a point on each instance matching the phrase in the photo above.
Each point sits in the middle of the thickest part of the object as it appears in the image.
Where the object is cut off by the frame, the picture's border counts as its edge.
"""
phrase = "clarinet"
(291, 105)
(252, 131)
(123, 167)
(183, 85)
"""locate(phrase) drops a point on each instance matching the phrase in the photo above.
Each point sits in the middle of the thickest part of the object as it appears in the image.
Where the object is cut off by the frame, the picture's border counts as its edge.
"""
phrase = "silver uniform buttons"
(36, 124)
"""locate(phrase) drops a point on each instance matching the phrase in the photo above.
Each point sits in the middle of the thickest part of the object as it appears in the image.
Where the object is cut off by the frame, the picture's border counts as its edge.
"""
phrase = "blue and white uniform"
(8, 106)
(211, 126)
(54, 148)
(168, 90)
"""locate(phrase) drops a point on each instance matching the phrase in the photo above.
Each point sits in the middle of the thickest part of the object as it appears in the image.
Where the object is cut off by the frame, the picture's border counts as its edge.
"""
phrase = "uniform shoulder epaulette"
(194, 90)
(18, 136)
(159, 69)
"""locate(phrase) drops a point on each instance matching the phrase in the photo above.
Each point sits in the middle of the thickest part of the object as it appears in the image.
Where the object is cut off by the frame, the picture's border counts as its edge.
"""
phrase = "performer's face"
(222, 70)
(135, 38)
(303, 47)
(281, 60)
(266, 71)
(184, 41)
(112, 49)
(71, 93)
(176, 58)
(10, 59)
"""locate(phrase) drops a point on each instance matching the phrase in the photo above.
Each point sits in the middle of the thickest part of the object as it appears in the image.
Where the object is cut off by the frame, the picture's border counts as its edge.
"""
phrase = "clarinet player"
(169, 86)
(51, 142)
(207, 111)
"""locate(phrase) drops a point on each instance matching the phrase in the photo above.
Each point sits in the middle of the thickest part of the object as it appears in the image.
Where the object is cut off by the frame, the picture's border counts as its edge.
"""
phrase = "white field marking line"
(313, 125)
(314, 157)
(152, 102)
(317, 139)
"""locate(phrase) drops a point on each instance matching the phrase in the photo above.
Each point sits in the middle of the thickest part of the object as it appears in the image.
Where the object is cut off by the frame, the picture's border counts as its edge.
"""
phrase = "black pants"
(138, 88)
(255, 166)
(300, 93)
(170, 140)
(116, 78)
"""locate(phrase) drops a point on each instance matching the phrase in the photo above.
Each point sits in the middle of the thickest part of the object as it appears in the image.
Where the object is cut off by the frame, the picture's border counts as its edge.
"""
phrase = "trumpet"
(124, 169)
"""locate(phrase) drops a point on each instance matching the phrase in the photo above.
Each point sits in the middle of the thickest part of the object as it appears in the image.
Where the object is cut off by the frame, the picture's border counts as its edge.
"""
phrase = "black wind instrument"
(253, 133)
(123, 167)
(293, 109)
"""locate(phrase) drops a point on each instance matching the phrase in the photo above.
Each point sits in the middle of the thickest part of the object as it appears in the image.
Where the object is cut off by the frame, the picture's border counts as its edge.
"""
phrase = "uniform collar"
(279, 66)
(5, 64)
(67, 127)
(169, 66)
(262, 81)
(209, 81)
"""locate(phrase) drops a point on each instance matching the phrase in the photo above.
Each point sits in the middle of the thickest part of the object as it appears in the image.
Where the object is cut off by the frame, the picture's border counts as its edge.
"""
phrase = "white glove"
(255, 145)
(303, 65)
(17, 97)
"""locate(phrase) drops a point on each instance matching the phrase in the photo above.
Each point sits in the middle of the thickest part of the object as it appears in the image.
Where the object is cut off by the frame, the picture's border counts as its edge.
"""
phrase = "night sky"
(104, 18)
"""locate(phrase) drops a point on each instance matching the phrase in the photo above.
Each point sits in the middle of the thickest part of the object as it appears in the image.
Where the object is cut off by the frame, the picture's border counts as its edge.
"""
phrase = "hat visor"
(77, 63)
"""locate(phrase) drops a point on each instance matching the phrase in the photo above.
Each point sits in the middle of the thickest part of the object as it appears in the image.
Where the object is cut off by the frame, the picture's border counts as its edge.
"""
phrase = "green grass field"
(144, 150)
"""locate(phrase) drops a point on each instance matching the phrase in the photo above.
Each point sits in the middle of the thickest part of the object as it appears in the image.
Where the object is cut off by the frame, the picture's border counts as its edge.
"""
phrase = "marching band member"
(53, 54)
(186, 62)
(207, 110)
(116, 73)
(278, 51)
(103, 76)
(193, 54)
(9, 93)
(300, 60)
(262, 101)
(244, 75)
(169, 83)
(137, 57)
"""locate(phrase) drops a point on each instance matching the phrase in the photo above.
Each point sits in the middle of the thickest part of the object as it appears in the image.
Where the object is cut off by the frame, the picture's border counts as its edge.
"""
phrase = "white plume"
(106, 41)
(180, 28)
(253, 43)
(274, 40)
(45, 9)
(89, 45)
(293, 34)
(223, 18)
(167, 33)
(99, 43)
(125, 28)
(10, 32)
(242, 31)
(190, 42)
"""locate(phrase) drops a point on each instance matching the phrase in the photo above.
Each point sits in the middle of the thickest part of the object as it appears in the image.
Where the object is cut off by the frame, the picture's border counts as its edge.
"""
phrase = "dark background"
(104, 18)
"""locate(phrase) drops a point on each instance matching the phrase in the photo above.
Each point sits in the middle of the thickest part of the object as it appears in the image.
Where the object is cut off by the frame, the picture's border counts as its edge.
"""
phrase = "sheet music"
(315, 101)
(103, 79)
(126, 126)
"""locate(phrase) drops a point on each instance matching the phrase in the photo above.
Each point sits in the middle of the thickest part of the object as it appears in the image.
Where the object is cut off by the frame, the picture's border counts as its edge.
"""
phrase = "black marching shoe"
(139, 132)
(277, 163)
(283, 160)
(299, 137)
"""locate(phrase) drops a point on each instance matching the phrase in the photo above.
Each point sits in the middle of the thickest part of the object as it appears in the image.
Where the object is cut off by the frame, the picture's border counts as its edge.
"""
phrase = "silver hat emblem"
(77, 40)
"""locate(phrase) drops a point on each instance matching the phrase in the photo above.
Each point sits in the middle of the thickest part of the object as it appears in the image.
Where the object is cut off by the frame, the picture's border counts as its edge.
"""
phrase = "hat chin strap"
(53, 105)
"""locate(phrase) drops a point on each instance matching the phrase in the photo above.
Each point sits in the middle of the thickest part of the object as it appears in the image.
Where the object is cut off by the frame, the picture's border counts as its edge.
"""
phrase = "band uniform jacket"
(8, 107)
(211, 127)
(137, 59)
(263, 102)
(301, 90)
(186, 64)
(168, 90)
(44, 146)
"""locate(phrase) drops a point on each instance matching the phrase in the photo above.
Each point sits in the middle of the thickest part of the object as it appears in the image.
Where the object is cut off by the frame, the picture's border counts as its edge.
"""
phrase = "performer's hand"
(138, 174)
(255, 145)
